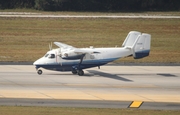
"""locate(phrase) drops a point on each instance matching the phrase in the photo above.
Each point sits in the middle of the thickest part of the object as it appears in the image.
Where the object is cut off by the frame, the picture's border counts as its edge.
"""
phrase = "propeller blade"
(61, 61)
(50, 46)
(60, 55)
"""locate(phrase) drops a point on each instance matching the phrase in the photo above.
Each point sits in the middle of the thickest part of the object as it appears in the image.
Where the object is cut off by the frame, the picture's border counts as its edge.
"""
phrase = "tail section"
(138, 43)
(141, 47)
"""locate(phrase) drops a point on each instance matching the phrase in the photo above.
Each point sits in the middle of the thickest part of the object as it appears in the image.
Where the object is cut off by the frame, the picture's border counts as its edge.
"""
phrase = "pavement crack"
(45, 94)
(92, 95)
(145, 98)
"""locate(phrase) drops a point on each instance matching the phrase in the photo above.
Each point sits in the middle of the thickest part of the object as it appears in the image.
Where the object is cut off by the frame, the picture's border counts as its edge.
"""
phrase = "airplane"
(69, 58)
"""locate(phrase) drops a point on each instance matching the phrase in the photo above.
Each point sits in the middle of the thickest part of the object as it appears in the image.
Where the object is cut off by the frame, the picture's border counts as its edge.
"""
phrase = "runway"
(153, 85)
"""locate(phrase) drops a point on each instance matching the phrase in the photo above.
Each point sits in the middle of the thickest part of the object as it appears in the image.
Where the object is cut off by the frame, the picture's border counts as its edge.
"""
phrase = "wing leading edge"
(76, 50)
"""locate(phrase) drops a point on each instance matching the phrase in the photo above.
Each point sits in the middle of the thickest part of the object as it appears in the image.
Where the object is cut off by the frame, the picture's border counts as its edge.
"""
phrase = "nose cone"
(38, 62)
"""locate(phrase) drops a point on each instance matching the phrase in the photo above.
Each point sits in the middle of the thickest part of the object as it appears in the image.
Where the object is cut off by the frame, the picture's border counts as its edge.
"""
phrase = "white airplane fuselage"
(102, 57)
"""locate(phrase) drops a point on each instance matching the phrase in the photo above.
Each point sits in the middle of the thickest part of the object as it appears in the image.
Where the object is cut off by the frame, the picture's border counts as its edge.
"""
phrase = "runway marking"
(136, 104)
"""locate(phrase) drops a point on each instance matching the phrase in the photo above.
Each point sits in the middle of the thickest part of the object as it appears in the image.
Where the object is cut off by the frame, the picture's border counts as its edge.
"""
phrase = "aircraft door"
(98, 57)
(58, 60)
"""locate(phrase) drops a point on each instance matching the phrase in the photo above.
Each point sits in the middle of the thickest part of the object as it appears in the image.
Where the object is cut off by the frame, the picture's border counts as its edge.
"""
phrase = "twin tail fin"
(139, 43)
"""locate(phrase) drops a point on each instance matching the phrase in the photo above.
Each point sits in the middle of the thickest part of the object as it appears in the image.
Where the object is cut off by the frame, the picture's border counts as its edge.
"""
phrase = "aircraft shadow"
(166, 75)
(60, 74)
(108, 75)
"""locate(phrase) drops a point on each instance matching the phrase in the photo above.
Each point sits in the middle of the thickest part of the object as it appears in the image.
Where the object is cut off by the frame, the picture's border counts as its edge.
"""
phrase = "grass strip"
(18, 110)
(27, 39)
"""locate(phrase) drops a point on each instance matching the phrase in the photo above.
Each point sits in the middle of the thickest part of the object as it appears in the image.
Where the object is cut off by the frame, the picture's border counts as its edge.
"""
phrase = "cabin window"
(52, 56)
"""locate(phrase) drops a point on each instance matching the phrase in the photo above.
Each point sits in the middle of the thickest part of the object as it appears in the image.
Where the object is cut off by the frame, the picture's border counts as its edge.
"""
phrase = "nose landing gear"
(39, 71)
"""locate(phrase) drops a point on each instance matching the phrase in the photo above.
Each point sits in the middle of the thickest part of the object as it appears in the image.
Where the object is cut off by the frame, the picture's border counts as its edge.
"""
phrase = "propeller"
(60, 55)
(50, 46)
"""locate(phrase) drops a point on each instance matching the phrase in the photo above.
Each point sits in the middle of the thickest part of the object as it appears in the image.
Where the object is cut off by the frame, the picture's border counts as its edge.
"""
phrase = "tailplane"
(138, 43)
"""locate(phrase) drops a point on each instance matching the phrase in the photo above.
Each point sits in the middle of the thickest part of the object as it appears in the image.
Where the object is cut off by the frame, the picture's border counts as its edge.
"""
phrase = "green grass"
(27, 39)
(19, 110)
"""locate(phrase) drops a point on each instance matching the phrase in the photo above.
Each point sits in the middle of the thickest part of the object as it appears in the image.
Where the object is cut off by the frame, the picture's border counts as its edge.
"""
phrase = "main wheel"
(39, 71)
(81, 73)
(74, 72)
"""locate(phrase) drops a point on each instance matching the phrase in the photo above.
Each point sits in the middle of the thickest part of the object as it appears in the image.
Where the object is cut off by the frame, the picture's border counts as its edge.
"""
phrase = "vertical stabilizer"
(141, 46)
(131, 38)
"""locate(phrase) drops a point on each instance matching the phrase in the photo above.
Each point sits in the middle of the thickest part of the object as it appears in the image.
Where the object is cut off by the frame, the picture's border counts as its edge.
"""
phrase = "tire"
(74, 72)
(39, 72)
(81, 73)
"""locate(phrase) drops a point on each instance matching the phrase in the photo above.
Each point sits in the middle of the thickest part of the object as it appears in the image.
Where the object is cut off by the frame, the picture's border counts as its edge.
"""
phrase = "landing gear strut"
(77, 69)
(80, 71)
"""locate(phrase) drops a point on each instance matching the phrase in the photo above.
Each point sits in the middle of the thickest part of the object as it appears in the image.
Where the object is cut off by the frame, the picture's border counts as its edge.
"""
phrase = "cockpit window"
(46, 55)
(52, 56)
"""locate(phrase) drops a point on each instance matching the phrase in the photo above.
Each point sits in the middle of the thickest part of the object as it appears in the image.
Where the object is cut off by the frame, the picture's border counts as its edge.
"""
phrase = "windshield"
(52, 56)
(46, 55)
(49, 55)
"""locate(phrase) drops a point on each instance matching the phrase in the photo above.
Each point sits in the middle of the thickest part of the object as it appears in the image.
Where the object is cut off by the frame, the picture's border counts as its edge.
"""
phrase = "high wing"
(64, 46)
(83, 51)
(75, 50)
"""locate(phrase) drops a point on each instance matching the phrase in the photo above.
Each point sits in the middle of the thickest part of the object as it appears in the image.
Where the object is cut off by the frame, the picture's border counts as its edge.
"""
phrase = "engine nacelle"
(70, 55)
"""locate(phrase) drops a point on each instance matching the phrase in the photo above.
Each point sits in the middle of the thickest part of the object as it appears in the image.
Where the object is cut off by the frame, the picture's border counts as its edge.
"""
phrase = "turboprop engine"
(70, 55)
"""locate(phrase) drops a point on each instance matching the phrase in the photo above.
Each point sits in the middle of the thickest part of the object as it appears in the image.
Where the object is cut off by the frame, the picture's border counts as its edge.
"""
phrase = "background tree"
(94, 5)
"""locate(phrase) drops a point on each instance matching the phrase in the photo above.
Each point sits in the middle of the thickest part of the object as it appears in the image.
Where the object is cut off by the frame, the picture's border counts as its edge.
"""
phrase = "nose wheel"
(39, 71)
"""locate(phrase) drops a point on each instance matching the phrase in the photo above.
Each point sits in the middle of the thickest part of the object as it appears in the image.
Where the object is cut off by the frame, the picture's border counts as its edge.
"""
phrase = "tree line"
(93, 5)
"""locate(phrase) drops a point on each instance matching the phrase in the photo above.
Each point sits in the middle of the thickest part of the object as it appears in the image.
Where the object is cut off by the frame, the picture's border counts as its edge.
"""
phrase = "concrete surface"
(110, 83)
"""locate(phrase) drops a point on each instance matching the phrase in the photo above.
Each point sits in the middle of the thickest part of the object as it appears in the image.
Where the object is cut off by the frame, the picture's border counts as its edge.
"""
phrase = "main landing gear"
(79, 72)
(74, 72)
(77, 69)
